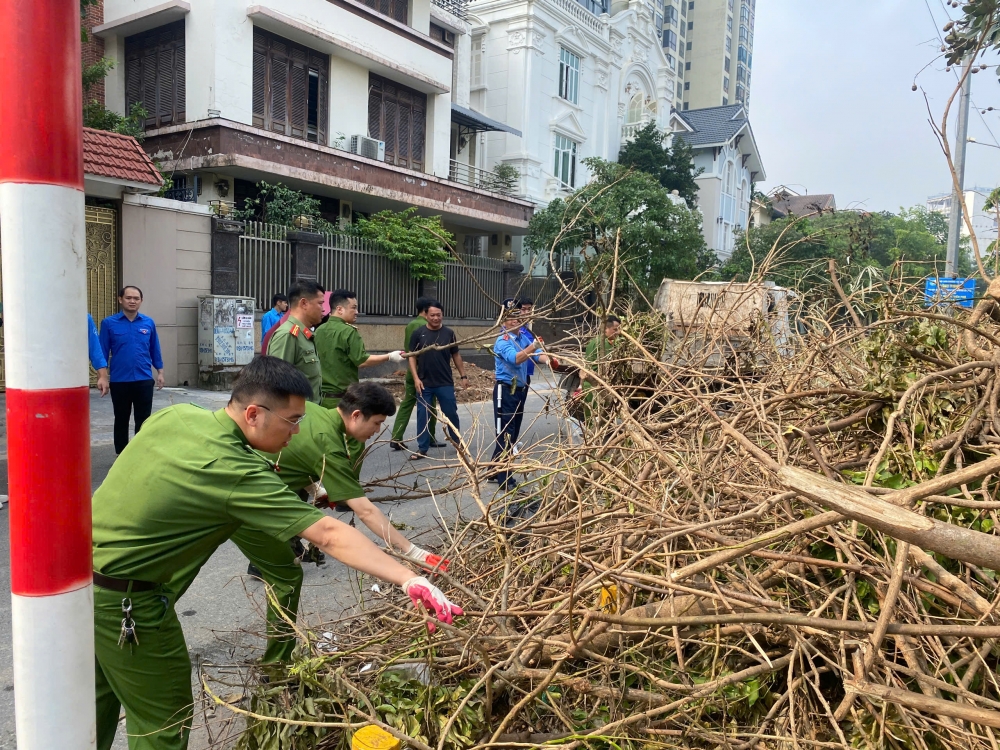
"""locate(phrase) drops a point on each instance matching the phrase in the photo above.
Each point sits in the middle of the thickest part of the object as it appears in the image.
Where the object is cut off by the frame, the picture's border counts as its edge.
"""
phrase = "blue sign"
(959, 292)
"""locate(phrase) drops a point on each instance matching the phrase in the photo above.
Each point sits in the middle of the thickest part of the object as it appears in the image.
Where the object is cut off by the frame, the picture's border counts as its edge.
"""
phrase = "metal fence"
(384, 287)
(472, 287)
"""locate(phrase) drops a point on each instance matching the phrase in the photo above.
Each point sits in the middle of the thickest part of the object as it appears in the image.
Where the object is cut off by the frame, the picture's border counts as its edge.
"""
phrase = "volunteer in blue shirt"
(279, 304)
(97, 359)
(524, 332)
(512, 352)
(130, 343)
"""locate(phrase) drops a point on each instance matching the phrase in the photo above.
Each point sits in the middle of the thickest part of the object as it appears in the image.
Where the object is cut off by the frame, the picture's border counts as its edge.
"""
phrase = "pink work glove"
(427, 558)
(422, 591)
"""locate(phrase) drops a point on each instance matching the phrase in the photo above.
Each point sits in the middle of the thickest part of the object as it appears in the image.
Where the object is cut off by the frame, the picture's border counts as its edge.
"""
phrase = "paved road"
(221, 611)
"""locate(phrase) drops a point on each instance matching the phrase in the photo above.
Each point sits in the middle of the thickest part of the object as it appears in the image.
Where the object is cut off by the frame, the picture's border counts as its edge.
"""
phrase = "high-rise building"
(711, 44)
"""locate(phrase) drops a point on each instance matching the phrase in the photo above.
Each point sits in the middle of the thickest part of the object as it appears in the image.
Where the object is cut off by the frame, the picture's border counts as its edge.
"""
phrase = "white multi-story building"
(576, 79)
(362, 103)
(983, 221)
(724, 148)
(711, 44)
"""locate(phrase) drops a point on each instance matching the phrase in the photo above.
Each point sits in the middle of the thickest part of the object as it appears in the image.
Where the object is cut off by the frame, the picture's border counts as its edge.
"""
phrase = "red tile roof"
(119, 157)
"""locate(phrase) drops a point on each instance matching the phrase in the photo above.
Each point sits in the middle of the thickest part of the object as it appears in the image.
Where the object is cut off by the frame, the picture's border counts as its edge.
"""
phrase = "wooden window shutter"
(375, 108)
(397, 115)
(259, 82)
(400, 10)
(321, 64)
(298, 94)
(155, 74)
(419, 127)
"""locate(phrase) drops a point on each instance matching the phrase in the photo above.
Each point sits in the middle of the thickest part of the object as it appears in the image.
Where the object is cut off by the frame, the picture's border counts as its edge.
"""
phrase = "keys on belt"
(128, 634)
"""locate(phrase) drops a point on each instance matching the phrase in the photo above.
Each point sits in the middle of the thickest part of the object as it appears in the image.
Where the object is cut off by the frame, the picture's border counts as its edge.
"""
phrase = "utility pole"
(958, 197)
(48, 402)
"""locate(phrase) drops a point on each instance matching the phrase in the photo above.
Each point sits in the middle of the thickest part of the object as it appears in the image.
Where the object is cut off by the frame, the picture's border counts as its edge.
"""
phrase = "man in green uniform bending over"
(324, 459)
(293, 340)
(341, 350)
(190, 480)
(410, 395)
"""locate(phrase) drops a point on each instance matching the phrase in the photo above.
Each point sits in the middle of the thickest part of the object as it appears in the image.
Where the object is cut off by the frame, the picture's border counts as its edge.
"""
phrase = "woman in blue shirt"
(131, 345)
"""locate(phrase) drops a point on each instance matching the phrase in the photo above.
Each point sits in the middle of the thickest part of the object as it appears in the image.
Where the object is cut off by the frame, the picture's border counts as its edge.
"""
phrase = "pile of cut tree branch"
(793, 549)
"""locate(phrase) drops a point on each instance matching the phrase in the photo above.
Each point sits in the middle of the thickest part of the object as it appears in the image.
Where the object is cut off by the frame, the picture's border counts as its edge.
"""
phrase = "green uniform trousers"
(151, 678)
(406, 409)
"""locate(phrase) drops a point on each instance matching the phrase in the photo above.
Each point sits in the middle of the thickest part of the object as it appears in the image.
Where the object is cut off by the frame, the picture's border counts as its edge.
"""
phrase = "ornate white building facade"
(575, 78)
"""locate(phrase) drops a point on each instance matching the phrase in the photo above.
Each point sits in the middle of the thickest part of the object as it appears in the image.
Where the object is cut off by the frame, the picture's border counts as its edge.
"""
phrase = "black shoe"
(297, 547)
(435, 443)
(397, 445)
(254, 572)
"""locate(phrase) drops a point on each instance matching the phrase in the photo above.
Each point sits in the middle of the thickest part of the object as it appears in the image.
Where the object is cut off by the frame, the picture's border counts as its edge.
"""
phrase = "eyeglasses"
(293, 422)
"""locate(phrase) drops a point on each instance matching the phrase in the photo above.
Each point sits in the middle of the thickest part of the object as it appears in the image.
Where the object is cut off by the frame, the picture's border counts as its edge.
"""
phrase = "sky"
(832, 108)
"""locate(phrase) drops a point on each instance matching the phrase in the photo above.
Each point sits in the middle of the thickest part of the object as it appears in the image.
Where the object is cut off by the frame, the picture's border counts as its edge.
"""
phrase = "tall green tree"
(672, 165)
(655, 236)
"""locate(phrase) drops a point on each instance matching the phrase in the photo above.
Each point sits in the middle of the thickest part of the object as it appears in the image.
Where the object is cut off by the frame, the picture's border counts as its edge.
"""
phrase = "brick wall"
(93, 48)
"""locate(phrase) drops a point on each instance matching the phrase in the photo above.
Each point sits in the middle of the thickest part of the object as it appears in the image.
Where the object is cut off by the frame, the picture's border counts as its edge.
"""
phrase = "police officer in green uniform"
(293, 341)
(324, 460)
(341, 350)
(190, 480)
(410, 395)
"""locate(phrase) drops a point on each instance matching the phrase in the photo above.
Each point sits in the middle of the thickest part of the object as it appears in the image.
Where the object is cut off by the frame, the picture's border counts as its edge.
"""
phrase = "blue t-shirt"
(505, 350)
(527, 336)
(97, 359)
(269, 320)
(131, 346)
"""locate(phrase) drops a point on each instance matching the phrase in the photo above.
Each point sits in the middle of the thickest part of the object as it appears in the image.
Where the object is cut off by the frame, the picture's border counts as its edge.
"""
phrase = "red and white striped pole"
(45, 331)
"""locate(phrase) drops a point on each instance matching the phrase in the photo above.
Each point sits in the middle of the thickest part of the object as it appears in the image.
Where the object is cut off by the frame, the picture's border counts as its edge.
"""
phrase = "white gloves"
(424, 557)
(396, 357)
(318, 495)
(422, 591)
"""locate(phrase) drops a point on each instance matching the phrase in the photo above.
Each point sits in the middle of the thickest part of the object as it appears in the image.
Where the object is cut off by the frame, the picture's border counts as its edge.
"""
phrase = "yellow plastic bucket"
(372, 737)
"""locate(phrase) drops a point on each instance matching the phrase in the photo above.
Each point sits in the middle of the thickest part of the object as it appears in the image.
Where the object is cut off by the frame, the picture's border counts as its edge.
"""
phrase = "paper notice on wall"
(244, 321)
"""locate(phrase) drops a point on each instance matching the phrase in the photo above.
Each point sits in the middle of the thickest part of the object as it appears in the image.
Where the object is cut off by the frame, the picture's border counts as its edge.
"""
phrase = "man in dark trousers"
(511, 352)
(410, 394)
(132, 347)
(435, 347)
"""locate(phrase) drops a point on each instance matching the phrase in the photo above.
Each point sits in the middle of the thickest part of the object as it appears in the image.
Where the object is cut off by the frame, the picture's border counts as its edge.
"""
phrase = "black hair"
(301, 289)
(368, 398)
(525, 301)
(339, 297)
(121, 292)
(278, 298)
(435, 303)
(422, 304)
(269, 379)
(611, 320)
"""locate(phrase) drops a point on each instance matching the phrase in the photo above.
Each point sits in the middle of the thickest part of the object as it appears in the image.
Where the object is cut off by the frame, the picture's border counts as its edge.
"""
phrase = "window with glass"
(729, 24)
(725, 83)
(743, 56)
(730, 6)
(569, 76)
(478, 61)
(745, 15)
(741, 74)
(636, 106)
(690, 25)
(688, 47)
(728, 62)
(682, 30)
(671, 61)
(740, 93)
(686, 105)
(687, 66)
(679, 89)
(671, 16)
(564, 162)
(725, 101)
(744, 35)
(729, 44)
(749, 61)
(669, 40)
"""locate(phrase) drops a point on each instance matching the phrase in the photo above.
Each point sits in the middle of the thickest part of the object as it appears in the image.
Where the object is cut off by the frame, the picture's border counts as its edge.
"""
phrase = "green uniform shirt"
(293, 342)
(341, 352)
(184, 485)
(322, 446)
(413, 325)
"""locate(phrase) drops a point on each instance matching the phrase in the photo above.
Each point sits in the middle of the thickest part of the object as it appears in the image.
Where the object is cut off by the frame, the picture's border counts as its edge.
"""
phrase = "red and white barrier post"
(45, 331)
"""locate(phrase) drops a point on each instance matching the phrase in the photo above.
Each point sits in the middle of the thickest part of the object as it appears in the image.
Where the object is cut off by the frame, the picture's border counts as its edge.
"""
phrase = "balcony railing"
(466, 174)
(181, 194)
(455, 7)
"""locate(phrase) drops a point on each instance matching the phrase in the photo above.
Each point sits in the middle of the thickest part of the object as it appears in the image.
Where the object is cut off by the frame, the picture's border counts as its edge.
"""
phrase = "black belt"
(122, 584)
(329, 394)
(508, 385)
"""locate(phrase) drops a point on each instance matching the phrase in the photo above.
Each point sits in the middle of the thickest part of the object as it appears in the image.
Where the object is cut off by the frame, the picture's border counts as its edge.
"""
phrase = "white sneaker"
(516, 449)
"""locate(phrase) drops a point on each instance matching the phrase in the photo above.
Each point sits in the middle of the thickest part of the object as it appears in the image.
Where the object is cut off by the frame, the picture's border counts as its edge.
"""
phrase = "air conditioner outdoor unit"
(367, 147)
(346, 213)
